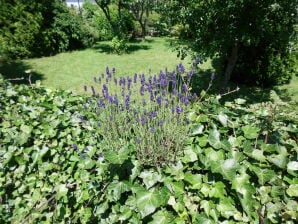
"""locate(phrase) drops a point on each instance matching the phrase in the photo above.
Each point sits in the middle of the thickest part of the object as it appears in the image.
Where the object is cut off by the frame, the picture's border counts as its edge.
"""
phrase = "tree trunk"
(233, 55)
(143, 26)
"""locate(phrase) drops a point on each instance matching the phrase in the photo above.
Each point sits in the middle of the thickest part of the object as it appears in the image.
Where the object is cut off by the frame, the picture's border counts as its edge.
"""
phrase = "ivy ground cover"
(238, 164)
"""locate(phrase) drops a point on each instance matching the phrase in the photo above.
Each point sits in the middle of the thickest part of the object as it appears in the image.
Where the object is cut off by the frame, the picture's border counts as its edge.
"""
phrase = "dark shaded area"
(18, 72)
(249, 93)
(133, 46)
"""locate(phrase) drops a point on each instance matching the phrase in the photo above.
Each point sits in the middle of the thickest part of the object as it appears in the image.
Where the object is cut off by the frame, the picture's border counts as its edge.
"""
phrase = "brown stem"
(231, 64)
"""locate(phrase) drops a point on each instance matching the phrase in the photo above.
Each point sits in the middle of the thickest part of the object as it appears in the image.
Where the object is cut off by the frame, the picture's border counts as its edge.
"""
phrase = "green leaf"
(162, 217)
(116, 188)
(264, 175)
(196, 130)
(195, 180)
(258, 155)
(223, 119)
(250, 132)
(214, 139)
(189, 156)
(293, 165)
(293, 190)
(147, 201)
(240, 101)
(226, 207)
(150, 178)
(218, 190)
(61, 190)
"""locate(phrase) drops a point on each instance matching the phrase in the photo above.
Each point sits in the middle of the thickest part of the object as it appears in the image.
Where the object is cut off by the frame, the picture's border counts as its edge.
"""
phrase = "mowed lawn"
(73, 70)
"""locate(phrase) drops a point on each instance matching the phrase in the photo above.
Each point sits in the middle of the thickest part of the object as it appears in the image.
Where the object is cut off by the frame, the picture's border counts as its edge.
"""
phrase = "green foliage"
(240, 165)
(19, 24)
(41, 28)
(260, 31)
(119, 46)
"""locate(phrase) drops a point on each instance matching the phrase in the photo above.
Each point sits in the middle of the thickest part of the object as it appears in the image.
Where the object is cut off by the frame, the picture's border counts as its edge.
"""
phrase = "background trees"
(252, 37)
(31, 28)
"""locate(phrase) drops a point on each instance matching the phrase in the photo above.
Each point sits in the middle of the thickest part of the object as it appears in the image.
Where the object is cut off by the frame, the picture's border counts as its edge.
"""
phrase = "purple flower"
(212, 76)
(135, 78)
(190, 74)
(179, 110)
(116, 100)
(184, 88)
(152, 129)
(114, 70)
(163, 92)
(158, 100)
(180, 68)
(85, 107)
(196, 61)
(143, 120)
(111, 117)
(83, 155)
(75, 147)
(127, 100)
(98, 124)
(160, 123)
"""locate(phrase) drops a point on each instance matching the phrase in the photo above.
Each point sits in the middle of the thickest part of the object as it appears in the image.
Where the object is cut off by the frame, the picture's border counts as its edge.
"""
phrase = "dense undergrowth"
(239, 165)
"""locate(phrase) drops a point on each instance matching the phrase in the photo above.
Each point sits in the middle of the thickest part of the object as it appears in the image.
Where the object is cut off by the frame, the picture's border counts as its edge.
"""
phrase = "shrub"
(119, 45)
(147, 113)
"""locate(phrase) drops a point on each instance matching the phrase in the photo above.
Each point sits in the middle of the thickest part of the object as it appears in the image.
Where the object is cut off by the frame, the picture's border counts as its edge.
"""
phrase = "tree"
(260, 30)
(140, 10)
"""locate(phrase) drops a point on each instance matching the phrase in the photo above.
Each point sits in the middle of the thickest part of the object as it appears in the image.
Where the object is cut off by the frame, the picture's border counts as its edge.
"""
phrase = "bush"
(119, 46)
(239, 165)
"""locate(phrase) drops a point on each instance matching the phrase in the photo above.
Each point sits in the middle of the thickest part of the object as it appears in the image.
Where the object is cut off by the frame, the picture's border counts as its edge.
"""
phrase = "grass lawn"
(74, 69)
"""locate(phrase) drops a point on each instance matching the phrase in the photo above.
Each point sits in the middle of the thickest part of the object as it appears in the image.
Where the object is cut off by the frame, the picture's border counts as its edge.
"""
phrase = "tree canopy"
(251, 35)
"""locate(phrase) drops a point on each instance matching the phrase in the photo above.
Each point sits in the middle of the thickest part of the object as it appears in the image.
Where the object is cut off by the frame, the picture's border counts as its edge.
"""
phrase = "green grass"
(74, 69)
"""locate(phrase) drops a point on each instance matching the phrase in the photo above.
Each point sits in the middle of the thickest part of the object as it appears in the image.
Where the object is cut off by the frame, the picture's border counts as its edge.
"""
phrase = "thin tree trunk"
(230, 66)
(143, 26)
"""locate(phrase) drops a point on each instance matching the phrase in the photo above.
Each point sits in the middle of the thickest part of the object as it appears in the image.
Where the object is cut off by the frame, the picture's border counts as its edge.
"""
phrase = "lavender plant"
(146, 112)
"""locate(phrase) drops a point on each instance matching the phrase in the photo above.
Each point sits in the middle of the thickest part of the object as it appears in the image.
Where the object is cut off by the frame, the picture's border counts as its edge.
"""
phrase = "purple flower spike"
(184, 88)
(75, 147)
(180, 68)
(114, 70)
(111, 117)
(196, 61)
(135, 78)
(152, 129)
(179, 110)
(160, 123)
(143, 120)
(83, 155)
(158, 100)
(212, 76)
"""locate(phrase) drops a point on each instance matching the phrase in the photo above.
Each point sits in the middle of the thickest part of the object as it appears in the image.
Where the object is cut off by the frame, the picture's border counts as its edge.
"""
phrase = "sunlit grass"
(74, 69)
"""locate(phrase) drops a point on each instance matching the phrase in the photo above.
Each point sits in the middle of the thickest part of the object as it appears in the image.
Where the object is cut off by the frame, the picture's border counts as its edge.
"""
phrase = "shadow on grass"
(18, 72)
(250, 94)
(133, 46)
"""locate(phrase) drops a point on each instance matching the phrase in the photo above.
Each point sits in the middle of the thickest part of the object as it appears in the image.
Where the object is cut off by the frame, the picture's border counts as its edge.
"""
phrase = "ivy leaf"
(150, 178)
(218, 190)
(293, 190)
(162, 217)
(293, 165)
(223, 119)
(61, 190)
(214, 139)
(116, 188)
(250, 132)
(264, 175)
(189, 156)
(226, 207)
(195, 180)
(196, 130)
(147, 201)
